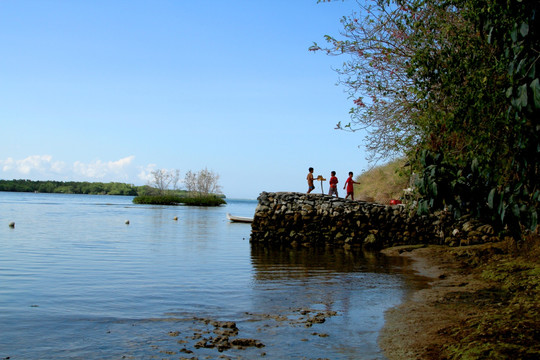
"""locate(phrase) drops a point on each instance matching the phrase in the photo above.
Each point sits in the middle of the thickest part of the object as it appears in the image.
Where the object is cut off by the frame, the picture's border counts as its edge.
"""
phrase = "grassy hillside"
(382, 183)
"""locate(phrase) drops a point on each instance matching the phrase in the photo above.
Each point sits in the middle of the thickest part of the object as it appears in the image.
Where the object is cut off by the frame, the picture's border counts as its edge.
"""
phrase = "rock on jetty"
(288, 218)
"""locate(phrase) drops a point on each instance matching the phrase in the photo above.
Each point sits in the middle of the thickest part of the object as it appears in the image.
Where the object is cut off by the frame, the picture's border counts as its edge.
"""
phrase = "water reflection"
(349, 289)
(79, 283)
(267, 260)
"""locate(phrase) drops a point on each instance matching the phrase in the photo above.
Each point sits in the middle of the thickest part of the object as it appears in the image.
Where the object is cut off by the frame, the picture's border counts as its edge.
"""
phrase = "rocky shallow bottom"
(209, 338)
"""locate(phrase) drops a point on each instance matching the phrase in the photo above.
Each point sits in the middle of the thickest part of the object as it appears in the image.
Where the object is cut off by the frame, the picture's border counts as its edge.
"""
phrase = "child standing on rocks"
(333, 184)
(350, 185)
(309, 178)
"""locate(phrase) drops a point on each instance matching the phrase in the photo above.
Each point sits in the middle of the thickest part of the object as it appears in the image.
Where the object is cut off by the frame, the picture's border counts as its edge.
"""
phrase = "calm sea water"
(77, 282)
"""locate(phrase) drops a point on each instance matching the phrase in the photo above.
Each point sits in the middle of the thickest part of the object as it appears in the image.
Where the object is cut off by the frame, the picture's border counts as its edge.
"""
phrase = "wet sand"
(417, 328)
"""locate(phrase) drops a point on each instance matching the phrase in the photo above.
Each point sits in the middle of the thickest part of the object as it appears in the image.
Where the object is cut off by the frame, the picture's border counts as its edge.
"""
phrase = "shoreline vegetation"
(189, 199)
(481, 301)
(142, 194)
(72, 187)
(469, 132)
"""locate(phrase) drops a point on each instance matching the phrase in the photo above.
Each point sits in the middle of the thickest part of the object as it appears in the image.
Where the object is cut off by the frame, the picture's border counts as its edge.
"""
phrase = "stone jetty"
(288, 218)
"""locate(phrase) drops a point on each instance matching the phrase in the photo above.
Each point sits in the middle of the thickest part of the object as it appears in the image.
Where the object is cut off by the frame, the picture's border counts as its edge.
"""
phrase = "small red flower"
(359, 102)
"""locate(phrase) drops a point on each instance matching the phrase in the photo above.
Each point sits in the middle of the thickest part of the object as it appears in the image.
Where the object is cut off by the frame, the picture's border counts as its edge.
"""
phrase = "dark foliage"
(69, 187)
(209, 200)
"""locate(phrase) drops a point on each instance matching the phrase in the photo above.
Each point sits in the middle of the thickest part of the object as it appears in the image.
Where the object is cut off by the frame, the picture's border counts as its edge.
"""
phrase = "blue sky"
(111, 90)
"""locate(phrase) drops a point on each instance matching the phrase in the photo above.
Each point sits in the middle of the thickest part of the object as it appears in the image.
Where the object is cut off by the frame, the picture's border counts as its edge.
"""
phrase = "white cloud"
(98, 169)
(58, 166)
(43, 167)
(145, 173)
(33, 163)
(7, 164)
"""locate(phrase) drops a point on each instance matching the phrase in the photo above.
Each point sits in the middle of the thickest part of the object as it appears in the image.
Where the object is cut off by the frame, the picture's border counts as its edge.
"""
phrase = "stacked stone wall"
(312, 219)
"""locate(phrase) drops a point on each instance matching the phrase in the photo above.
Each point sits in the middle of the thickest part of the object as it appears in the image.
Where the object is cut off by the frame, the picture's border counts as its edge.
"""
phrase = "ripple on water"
(78, 283)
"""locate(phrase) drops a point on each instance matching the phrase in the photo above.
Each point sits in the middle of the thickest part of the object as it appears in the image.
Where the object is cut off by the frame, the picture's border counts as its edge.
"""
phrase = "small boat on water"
(241, 219)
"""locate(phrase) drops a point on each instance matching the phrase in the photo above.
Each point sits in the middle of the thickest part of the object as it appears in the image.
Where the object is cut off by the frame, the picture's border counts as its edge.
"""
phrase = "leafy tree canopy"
(453, 85)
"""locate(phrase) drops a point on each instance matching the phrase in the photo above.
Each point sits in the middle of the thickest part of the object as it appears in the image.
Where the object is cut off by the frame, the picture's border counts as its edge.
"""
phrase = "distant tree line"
(71, 187)
(202, 188)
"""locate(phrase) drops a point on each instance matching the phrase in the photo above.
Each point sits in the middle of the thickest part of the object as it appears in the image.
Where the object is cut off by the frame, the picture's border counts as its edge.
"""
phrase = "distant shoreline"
(70, 187)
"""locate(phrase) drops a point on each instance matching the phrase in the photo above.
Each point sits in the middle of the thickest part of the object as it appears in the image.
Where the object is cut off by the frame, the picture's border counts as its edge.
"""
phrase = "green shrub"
(208, 200)
(204, 200)
(158, 199)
